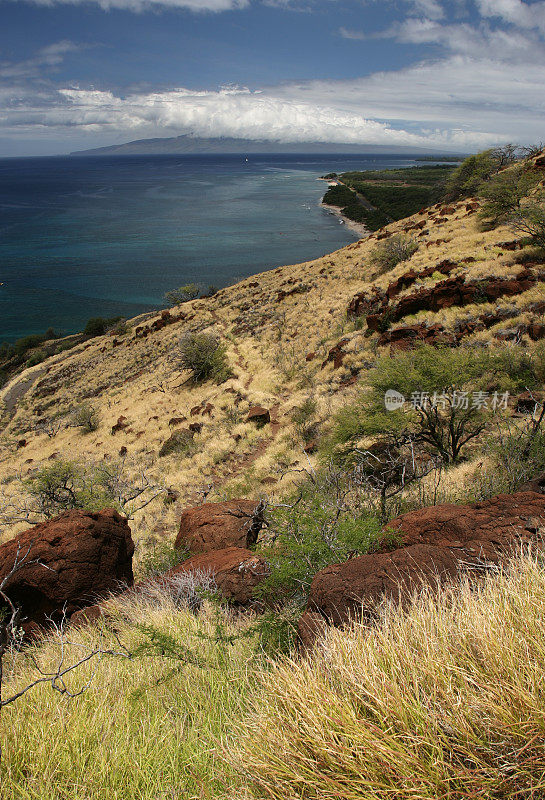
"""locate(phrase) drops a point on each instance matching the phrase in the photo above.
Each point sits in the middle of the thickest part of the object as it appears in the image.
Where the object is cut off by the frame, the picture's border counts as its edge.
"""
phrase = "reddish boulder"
(236, 571)
(311, 627)
(345, 591)
(76, 558)
(215, 526)
(413, 335)
(259, 415)
(336, 355)
(536, 331)
(433, 545)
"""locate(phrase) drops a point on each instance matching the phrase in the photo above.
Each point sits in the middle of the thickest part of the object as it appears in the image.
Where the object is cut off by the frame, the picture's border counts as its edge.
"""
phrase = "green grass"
(148, 727)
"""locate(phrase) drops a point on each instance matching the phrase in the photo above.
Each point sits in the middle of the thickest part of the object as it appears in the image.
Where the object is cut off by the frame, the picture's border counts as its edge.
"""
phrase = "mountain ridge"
(186, 144)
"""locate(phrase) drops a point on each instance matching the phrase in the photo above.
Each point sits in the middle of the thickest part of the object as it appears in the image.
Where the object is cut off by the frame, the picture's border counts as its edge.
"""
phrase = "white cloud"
(50, 56)
(485, 86)
(143, 5)
(434, 105)
(430, 8)
(514, 12)
(347, 33)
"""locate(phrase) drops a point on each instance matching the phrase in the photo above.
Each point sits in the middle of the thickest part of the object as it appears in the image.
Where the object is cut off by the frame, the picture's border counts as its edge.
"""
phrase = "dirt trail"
(20, 387)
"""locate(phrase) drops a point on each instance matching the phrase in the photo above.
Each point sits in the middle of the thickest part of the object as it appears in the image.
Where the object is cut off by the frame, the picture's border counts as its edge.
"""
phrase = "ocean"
(104, 236)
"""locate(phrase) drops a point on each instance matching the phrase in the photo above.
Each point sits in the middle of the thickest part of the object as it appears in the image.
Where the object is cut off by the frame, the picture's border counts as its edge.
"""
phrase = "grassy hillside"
(441, 701)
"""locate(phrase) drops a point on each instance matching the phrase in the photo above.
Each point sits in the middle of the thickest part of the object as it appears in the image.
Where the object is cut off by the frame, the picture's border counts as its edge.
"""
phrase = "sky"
(449, 75)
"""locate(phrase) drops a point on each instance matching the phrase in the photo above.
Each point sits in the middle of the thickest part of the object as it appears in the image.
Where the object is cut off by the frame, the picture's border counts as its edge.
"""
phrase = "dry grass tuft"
(445, 701)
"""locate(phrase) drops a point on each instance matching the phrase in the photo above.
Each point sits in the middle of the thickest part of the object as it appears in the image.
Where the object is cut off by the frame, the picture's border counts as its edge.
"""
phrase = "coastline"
(357, 227)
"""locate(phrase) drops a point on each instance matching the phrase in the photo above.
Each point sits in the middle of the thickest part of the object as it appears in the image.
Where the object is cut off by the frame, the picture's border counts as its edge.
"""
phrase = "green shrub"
(64, 485)
(503, 193)
(36, 358)
(323, 523)
(86, 417)
(446, 427)
(182, 294)
(181, 442)
(388, 254)
(160, 557)
(97, 326)
(204, 356)
(529, 219)
(467, 179)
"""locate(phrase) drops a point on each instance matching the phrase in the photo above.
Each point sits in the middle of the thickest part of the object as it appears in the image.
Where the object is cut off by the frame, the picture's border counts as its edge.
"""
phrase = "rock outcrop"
(216, 526)
(236, 571)
(69, 563)
(432, 545)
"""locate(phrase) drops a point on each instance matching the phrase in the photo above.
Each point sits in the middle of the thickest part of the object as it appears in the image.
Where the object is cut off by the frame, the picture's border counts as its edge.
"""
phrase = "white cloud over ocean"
(484, 86)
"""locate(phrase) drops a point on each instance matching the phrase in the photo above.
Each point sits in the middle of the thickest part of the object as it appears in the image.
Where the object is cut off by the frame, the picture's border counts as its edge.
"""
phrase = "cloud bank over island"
(482, 85)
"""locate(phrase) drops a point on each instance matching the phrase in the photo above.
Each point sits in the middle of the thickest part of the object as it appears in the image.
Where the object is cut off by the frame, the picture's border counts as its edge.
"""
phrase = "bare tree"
(389, 467)
(11, 640)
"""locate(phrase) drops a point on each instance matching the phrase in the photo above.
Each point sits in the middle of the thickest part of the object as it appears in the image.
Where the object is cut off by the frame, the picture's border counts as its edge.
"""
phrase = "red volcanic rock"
(311, 627)
(451, 292)
(411, 276)
(336, 355)
(488, 527)
(120, 425)
(215, 526)
(434, 544)
(259, 415)
(236, 571)
(176, 421)
(77, 557)
(413, 335)
(536, 331)
(345, 591)
(364, 303)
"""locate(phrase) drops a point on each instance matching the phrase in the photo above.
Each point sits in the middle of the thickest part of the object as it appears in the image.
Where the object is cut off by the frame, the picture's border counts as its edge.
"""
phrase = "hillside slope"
(293, 333)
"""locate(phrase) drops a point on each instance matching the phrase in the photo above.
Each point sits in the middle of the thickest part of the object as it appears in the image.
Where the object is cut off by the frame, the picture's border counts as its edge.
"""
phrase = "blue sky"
(449, 74)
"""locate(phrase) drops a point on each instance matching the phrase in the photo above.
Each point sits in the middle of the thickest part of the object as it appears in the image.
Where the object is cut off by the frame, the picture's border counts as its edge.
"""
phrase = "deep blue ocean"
(108, 235)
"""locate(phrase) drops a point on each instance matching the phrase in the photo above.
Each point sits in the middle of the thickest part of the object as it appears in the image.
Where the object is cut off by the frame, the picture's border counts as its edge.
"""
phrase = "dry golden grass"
(267, 342)
(444, 701)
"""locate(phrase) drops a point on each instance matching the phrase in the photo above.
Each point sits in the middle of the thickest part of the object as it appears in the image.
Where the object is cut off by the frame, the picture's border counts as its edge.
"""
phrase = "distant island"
(187, 144)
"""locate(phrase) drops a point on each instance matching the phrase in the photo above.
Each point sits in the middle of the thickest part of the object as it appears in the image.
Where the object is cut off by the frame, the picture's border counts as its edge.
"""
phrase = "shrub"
(86, 417)
(504, 192)
(182, 294)
(303, 417)
(448, 377)
(467, 179)
(203, 355)
(180, 442)
(159, 557)
(62, 486)
(97, 326)
(324, 523)
(36, 358)
(185, 590)
(529, 219)
(386, 255)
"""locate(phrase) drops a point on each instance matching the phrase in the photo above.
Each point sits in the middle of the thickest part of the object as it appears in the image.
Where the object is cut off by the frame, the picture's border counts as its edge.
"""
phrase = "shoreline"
(356, 227)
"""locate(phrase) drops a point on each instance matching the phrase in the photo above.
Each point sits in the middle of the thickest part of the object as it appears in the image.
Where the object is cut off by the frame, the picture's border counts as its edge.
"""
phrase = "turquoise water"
(105, 236)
